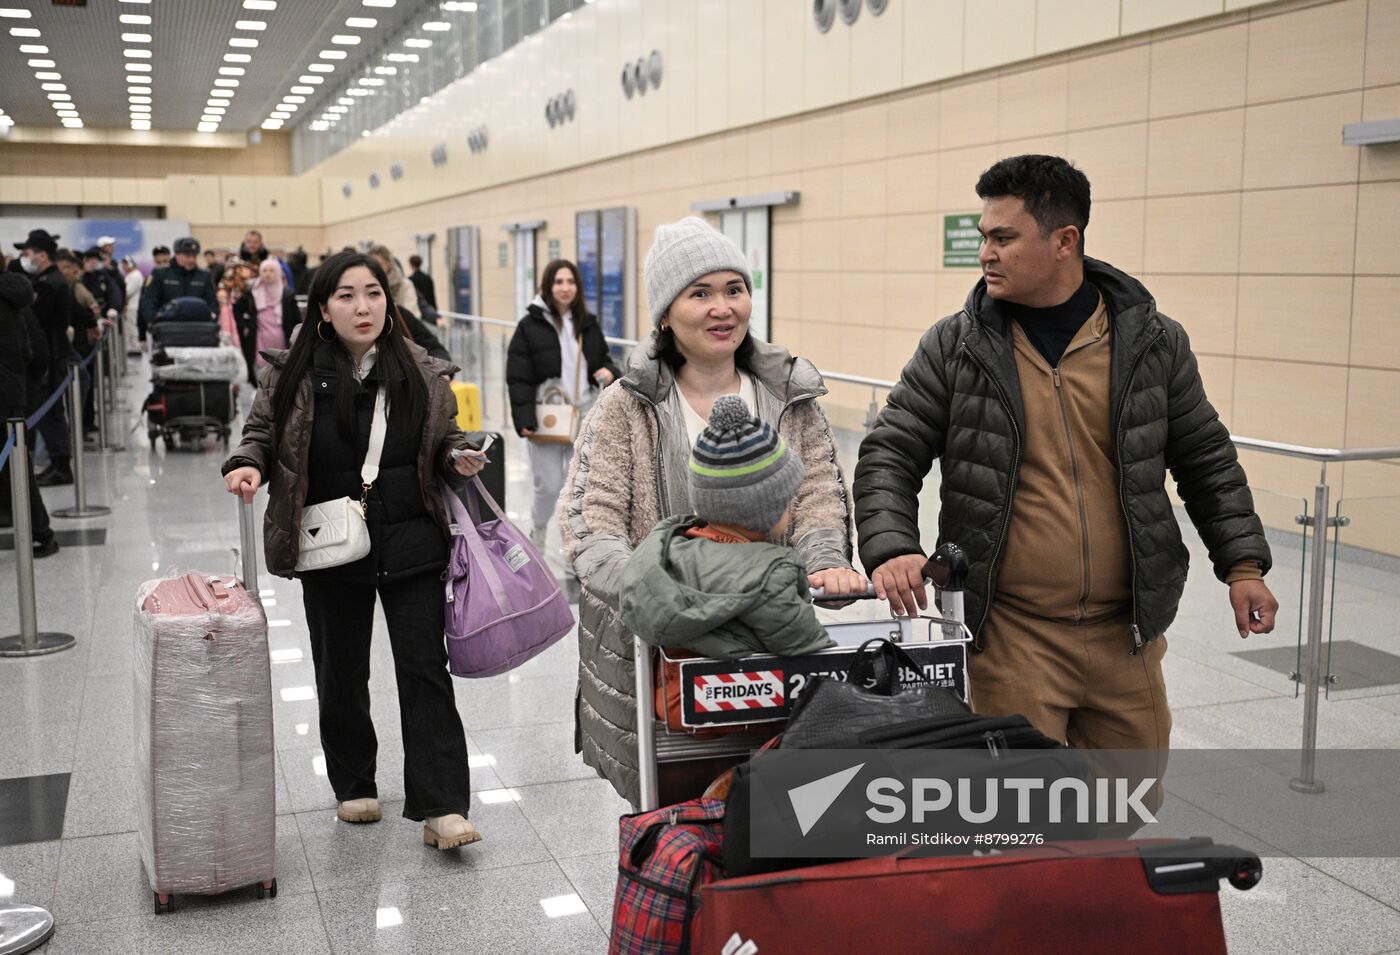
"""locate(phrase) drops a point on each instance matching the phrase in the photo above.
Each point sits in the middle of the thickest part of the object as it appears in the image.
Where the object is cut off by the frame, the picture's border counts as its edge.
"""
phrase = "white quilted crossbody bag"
(334, 532)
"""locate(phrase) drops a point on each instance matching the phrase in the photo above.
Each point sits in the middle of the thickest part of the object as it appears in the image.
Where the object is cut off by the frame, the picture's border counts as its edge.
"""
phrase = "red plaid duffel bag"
(664, 857)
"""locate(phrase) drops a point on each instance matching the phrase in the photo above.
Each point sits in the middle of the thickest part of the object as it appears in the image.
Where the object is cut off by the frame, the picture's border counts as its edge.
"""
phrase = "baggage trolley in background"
(206, 791)
(767, 685)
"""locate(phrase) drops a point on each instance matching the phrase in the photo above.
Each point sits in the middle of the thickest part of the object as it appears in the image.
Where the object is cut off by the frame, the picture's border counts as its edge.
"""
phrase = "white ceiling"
(188, 43)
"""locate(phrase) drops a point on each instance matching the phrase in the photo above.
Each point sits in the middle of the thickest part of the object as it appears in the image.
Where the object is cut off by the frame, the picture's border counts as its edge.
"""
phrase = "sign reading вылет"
(961, 241)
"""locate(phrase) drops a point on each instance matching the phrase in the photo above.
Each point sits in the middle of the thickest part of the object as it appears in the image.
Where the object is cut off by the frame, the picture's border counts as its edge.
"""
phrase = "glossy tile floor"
(542, 879)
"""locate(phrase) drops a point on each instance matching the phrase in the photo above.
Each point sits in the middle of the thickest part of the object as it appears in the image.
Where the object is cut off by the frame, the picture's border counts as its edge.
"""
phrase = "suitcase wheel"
(266, 890)
(164, 902)
(1246, 874)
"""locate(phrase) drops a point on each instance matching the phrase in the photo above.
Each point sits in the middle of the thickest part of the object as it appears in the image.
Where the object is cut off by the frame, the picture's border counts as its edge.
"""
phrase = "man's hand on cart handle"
(900, 580)
(1255, 607)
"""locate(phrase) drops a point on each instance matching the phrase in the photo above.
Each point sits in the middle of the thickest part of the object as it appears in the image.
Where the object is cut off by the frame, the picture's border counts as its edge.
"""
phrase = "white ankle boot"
(359, 810)
(449, 832)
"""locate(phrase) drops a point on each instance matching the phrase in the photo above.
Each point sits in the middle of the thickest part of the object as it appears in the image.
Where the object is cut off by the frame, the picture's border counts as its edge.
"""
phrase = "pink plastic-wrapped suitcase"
(204, 750)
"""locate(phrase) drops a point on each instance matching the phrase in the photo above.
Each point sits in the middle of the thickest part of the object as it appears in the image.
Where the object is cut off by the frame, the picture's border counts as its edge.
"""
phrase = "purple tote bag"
(503, 604)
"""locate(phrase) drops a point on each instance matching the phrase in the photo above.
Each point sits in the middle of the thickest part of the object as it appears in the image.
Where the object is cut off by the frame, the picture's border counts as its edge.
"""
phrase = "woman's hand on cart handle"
(838, 586)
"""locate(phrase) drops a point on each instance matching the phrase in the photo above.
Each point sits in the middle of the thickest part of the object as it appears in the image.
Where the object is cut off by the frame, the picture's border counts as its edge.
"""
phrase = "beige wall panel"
(822, 193)
(820, 293)
(238, 203)
(1290, 401)
(821, 245)
(46, 189)
(913, 243)
(1299, 230)
(12, 189)
(1142, 15)
(1048, 145)
(909, 302)
(1295, 318)
(1114, 158)
(1378, 229)
(967, 114)
(758, 151)
(126, 191)
(1383, 42)
(1375, 321)
(785, 247)
(862, 303)
(1372, 397)
(864, 132)
(951, 289)
(1370, 501)
(1109, 87)
(958, 170)
(1307, 52)
(1218, 376)
(877, 51)
(821, 139)
(1193, 234)
(785, 146)
(933, 40)
(95, 190)
(1115, 233)
(1067, 24)
(746, 54)
(601, 118)
(712, 75)
(196, 198)
(681, 64)
(997, 33)
(784, 57)
(912, 183)
(1380, 162)
(913, 123)
(721, 159)
(1033, 103)
(826, 67)
(1203, 304)
(1299, 143)
(1199, 71)
(863, 189)
(1194, 154)
(863, 244)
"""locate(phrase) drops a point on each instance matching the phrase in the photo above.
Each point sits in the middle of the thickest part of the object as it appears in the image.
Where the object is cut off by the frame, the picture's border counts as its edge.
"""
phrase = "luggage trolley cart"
(756, 692)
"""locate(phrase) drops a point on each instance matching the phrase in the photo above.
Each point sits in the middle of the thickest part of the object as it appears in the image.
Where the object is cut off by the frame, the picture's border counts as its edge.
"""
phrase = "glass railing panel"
(1362, 656)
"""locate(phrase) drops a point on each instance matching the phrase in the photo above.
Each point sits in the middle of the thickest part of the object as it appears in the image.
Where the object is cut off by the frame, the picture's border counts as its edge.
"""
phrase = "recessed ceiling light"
(250, 25)
(136, 38)
(135, 19)
(272, 124)
(294, 99)
(231, 71)
(386, 70)
(137, 54)
(362, 23)
(220, 94)
(133, 1)
(259, 4)
(237, 58)
(311, 79)
(303, 89)
(459, 6)
(207, 127)
(437, 26)
(140, 127)
(53, 87)
(33, 48)
(138, 67)
(48, 75)
(138, 99)
(13, 13)
(246, 43)
(280, 115)
(66, 112)
(42, 64)
(385, 4)
(225, 82)
(371, 81)
(333, 54)
(140, 109)
(139, 90)
(24, 31)
(73, 123)
(418, 44)
(60, 97)
(346, 39)
(346, 101)
(321, 68)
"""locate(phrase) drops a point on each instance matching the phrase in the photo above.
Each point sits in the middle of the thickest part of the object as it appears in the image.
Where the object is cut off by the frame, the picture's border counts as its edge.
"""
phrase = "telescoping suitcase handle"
(248, 546)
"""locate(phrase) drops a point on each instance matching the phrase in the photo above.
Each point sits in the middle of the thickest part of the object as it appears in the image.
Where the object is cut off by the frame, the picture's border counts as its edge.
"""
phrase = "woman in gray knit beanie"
(631, 466)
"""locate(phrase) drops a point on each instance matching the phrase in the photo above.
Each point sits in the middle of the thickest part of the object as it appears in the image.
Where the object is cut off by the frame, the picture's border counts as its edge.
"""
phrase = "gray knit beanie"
(741, 471)
(681, 253)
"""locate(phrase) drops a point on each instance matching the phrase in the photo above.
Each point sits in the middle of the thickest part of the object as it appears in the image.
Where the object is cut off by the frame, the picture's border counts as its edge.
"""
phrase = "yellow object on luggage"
(468, 405)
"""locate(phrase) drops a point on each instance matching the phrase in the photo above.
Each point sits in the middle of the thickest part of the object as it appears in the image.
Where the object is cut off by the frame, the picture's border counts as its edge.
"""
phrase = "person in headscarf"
(265, 316)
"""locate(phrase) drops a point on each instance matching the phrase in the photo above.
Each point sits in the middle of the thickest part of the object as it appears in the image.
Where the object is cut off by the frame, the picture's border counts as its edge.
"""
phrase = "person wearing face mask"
(557, 341)
(265, 316)
(631, 466)
(183, 279)
(53, 307)
(307, 437)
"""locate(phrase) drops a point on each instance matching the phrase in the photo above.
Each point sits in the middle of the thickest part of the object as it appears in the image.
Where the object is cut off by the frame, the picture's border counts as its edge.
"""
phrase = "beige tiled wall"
(1214, 148)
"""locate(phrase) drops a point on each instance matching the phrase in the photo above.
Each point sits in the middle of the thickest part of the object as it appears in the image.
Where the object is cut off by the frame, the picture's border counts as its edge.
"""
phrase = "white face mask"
(27, 263)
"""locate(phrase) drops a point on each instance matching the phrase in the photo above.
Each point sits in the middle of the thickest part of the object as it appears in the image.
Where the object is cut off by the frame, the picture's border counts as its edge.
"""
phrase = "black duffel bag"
(186, 309)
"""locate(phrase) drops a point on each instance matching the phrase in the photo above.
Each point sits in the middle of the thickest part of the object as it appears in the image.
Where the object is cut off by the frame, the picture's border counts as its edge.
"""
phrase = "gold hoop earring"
(319, 326)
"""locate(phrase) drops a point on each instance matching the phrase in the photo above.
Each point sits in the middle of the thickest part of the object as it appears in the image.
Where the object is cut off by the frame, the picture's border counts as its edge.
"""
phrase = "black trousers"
(340, 615)
(38, 514)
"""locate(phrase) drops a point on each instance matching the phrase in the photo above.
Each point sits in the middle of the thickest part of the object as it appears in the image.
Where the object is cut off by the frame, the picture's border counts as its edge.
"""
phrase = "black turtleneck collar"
(1051, 329)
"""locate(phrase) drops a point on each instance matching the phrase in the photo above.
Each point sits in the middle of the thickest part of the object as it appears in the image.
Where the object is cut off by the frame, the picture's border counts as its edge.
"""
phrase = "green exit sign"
(961, 241)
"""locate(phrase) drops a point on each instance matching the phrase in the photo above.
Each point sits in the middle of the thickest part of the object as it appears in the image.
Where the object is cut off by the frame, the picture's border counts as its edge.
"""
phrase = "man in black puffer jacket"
(1056, 402)
(23, 357)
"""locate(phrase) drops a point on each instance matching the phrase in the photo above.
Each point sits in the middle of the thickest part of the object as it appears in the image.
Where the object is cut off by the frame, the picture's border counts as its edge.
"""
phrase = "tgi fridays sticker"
(761, 689)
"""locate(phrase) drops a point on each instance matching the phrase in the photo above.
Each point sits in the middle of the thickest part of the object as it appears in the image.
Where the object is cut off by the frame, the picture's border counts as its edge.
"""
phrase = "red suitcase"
(1147, 897)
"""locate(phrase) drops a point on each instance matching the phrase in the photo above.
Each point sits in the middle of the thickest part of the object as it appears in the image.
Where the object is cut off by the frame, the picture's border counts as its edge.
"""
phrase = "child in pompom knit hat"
(688, 586)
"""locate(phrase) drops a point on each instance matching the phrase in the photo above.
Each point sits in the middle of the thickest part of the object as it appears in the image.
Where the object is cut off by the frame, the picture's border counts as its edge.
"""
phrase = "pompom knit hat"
(681, 253)
(741, 471)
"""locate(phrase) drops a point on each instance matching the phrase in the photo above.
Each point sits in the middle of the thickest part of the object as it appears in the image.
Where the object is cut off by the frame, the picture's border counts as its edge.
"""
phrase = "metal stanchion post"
(30, 641)
(106, 383)
(116, 369)
(1312, 671)
(80, 507)
(23, 928)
